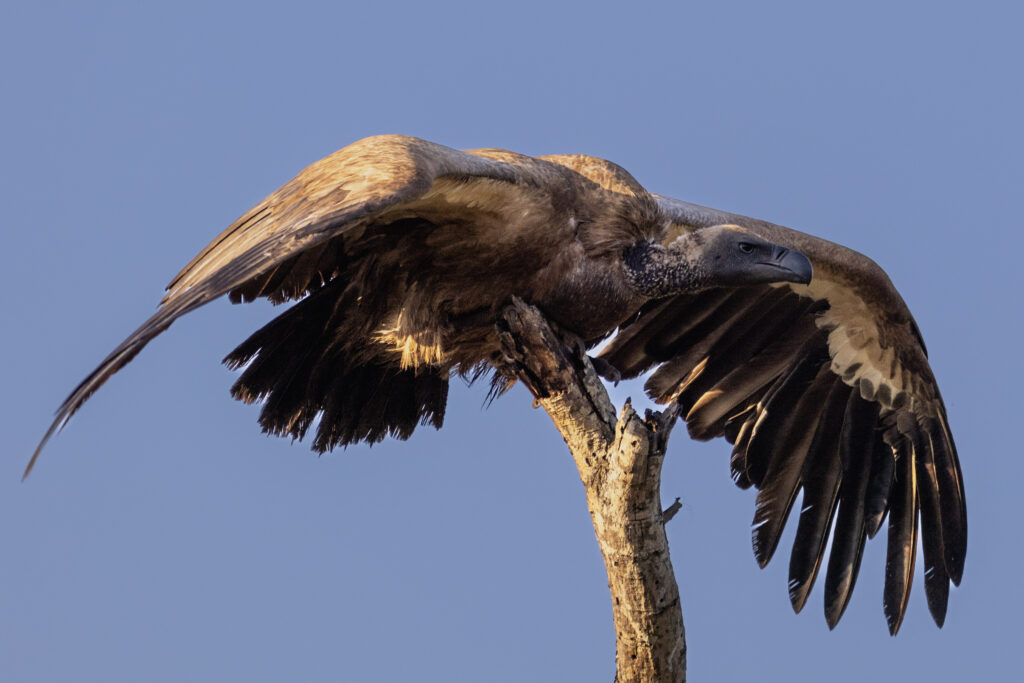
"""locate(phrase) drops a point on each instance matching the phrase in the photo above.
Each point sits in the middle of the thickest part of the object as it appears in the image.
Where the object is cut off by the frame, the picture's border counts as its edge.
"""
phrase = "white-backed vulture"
(402, 254)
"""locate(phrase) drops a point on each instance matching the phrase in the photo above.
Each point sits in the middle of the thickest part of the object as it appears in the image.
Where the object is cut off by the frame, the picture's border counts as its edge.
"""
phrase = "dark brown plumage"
(402, 253)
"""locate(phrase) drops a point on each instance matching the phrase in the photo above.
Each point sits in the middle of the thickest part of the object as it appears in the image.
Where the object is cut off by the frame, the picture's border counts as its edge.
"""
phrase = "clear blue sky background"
(164, 538)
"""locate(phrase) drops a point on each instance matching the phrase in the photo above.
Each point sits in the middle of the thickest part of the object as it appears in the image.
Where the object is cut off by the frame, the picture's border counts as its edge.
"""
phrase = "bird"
(400, 255)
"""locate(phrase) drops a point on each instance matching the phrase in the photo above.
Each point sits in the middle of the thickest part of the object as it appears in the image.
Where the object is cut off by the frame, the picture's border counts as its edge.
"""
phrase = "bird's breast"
(592, 299)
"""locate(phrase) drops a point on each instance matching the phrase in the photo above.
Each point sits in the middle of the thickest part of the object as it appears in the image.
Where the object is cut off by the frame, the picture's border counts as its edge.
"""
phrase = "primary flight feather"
(402, 254)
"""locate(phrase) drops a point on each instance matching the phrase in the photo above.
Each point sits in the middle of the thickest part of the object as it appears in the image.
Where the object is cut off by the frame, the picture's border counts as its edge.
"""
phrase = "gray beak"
(797, 266)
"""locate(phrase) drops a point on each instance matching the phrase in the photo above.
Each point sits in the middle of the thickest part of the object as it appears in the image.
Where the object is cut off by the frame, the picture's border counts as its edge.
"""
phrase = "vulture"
(401, 254)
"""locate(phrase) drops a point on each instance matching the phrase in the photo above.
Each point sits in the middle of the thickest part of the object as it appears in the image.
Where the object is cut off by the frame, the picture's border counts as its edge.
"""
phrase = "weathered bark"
(619, 460)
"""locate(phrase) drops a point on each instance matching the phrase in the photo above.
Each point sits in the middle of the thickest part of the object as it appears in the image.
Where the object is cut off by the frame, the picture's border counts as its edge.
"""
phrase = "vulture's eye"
(746, 247)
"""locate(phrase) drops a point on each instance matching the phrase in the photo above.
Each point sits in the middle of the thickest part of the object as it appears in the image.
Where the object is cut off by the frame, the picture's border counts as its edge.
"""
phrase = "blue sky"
(164, 538)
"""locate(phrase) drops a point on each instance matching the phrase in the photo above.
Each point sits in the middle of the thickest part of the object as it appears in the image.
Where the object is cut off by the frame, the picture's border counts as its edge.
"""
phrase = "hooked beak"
(797, 267)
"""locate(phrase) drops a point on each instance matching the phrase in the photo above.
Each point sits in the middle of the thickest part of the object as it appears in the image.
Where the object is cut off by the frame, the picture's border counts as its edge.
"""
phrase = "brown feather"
(936, 580)
(636, 347)
(856, 443)
(742, 381)
(951, 495)
(879, 485)
(771, 421)
(687, 344)
(902, 542)
(738, 461)
(787, 456)
(764, 323)
(821, 479)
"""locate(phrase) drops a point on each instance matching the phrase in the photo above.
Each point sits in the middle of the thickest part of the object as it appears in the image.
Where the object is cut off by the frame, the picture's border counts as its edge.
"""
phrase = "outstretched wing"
(291, 242)
(823, 387)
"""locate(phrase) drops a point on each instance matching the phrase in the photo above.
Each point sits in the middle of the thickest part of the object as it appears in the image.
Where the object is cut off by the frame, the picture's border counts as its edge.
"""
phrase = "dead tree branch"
(619, 460)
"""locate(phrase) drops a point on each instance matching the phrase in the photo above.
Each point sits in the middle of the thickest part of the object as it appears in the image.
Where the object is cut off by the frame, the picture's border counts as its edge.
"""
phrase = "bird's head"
(731, 256)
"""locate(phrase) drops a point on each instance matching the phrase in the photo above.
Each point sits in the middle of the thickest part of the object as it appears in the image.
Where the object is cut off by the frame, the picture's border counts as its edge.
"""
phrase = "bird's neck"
(655, 271)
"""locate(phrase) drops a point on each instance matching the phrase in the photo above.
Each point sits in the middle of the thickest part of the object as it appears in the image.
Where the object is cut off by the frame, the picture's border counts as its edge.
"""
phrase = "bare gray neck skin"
(655, 271)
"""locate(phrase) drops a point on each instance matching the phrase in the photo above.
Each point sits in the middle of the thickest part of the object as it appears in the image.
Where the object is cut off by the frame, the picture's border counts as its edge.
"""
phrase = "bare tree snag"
(619, 460)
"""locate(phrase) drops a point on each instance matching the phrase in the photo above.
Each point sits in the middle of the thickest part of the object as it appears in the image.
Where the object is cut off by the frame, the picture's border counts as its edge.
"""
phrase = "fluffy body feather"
(401, 254)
